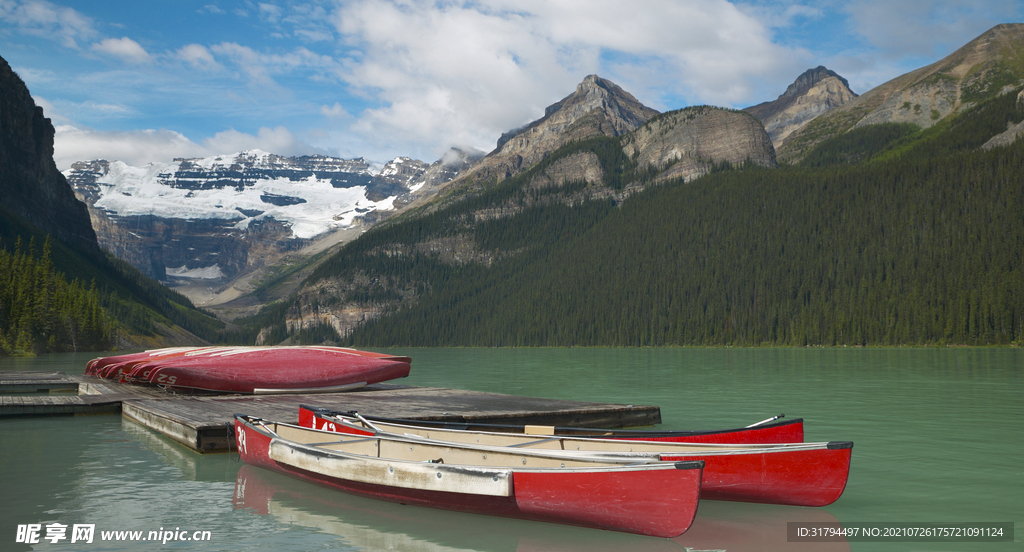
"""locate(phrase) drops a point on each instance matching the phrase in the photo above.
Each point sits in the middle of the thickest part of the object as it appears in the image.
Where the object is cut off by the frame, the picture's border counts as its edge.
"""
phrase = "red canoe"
(773, 430)
(254, 369)
(798, 474)
(102, 367)
(657, 499)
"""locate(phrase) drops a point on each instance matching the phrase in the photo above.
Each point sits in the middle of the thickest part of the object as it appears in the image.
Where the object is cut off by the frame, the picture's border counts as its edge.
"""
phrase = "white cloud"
(124, 48)
(278, 140)
(335, 111)
(198, 56)
(260, 68)
(136, 148)
(270, 12)
(141, 147)
(41, 18)
(779, 14)
(463, 72)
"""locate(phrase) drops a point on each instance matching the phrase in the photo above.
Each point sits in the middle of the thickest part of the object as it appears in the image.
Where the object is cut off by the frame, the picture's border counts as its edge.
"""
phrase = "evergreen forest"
(886, 235)
(54, 298)
(42, 312)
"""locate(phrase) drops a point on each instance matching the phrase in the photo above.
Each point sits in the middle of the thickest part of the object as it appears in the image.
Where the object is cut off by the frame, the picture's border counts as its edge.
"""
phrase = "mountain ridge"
(981, 69)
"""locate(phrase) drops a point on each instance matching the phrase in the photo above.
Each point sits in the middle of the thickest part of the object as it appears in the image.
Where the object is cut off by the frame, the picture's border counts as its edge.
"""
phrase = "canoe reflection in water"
(375, 525)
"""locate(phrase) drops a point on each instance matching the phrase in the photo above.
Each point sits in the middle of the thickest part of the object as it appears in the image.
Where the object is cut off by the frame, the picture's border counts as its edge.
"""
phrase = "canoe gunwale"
(569, 431)
(656, 448)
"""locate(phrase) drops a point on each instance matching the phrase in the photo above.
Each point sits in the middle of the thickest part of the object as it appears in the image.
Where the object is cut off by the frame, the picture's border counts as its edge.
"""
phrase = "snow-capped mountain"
(214, 217)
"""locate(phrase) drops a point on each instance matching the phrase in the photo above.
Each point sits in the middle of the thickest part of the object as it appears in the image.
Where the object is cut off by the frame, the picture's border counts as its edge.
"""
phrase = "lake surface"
(938, 433)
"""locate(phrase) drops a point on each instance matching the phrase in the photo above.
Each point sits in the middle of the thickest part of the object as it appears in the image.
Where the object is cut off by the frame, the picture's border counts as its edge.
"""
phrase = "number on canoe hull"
(164, 378)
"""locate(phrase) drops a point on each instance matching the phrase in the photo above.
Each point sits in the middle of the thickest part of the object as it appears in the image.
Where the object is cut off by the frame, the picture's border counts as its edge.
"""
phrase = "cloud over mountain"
(381, 78)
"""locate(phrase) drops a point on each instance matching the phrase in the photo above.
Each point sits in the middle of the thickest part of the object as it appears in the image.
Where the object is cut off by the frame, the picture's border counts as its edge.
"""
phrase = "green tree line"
(41, 311)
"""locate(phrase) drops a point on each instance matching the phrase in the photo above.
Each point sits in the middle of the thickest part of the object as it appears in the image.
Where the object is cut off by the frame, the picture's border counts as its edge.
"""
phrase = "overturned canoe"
(772, 430)
(799, 474)
(104, 367)
(255, 369)
(657, 499)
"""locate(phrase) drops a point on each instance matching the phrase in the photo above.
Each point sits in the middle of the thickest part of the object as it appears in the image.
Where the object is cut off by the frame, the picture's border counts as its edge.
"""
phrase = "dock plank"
(34, 382)
(202, 421)
(55, 405)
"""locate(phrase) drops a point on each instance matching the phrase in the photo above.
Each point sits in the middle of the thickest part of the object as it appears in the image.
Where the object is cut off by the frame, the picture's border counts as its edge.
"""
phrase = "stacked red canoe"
(253, 369)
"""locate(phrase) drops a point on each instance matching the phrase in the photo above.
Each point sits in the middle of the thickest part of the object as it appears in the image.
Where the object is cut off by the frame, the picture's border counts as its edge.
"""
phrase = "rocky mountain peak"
(813, 93)
(598, 107)
(594, 90)
(809, 78)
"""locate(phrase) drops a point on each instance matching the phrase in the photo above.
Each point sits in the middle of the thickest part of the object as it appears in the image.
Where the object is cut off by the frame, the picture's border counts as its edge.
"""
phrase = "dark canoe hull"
(796, 474)
(253, 369)
(779, 431)
(655, 499)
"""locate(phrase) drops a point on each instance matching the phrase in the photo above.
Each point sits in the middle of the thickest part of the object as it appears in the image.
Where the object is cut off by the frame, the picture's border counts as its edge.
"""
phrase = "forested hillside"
(56, 299)
(887, 235)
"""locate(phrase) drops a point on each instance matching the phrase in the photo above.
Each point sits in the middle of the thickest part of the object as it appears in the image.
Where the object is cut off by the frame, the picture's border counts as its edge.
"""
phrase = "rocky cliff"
(813, 93)
(689, 142)
(31, 187)
(987, 66)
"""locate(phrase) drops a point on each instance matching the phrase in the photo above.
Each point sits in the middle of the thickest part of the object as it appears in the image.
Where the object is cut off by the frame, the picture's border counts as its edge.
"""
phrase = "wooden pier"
(201, 422)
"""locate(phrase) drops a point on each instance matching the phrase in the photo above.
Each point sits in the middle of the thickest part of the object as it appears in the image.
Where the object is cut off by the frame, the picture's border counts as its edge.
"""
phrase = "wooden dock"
(36, 382)
(201, 422)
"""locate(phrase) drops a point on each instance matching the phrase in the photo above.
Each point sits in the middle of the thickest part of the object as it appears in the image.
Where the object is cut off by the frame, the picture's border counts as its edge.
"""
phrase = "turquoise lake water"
(938, 438)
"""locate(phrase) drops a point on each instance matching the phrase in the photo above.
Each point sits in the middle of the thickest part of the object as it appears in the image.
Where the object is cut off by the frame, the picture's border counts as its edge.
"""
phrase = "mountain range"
(217, 228)
(514, 253)
(352, 253)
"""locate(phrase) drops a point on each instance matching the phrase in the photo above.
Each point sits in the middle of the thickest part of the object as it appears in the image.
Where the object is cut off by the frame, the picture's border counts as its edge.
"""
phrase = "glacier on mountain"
(311, 198)
(218, 217)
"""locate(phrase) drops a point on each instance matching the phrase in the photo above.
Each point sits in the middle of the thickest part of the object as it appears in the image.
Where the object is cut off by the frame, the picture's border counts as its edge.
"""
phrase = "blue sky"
(150, 81)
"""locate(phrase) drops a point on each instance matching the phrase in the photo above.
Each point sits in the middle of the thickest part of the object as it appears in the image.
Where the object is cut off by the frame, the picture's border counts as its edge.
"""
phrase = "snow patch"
(206, 273)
